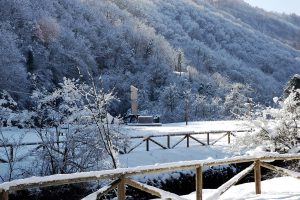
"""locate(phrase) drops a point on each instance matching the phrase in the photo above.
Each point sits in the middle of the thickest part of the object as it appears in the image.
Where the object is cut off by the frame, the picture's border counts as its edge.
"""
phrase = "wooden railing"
(184, 136)
(10, 148)
(121, 177)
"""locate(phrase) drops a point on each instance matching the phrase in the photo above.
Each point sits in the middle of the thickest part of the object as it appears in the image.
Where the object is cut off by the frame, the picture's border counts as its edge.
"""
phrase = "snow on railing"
(121, 176)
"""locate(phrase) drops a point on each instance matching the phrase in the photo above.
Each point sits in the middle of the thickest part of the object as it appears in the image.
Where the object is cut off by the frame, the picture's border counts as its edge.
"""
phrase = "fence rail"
(121, 177)
(10, 148)
(184, 136)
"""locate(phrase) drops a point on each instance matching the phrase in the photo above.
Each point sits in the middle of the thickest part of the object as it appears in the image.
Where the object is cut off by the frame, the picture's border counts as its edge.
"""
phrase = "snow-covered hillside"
(142, 42)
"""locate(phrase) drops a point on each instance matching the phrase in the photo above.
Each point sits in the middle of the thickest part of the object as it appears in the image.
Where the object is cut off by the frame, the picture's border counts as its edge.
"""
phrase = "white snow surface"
(199, 126)
(196, 151)
(283, 188)
(279, 188)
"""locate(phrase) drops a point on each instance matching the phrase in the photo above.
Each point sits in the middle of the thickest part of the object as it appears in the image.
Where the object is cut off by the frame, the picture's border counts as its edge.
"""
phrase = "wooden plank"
(143, 187)
(243, 159)
(65, 179)
(223, 188)
(207, 138)
(234, 135)
(217, 140)
(121, 189)
(157, 143)
(102, 191)
(257, 177)
(153, 190)
(197, 140)
(137, 145)
(178, 142)
(228, 133)
(169, 141)
(199, 183)
(3, 160)
(235, 179)
(281, 170)
(190, 133)
(62, 179)
(5, 195)
(147, 144)
(29, 144)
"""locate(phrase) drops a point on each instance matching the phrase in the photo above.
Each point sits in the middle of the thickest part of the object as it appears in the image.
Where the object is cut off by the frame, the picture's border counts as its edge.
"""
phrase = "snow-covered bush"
(278, 128)
(76, 130)
(7, 106)
(284, 130)
(236, 101)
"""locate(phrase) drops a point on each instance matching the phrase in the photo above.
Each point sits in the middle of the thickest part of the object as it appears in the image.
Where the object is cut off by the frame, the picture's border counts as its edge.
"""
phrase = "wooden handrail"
(62, 179)
(30, 143)
(191, 133)
(184, 136)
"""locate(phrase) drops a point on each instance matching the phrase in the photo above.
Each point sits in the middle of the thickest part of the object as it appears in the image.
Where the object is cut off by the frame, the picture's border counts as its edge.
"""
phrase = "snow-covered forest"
(224, 49)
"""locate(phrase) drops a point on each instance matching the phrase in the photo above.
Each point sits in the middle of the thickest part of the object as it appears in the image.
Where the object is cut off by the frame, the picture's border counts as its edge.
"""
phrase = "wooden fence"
(184, 136)
(121, 177)
(10, 148)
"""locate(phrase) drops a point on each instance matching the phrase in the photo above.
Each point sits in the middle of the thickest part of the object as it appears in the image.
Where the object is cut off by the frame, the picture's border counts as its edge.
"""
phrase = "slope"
(141, 42)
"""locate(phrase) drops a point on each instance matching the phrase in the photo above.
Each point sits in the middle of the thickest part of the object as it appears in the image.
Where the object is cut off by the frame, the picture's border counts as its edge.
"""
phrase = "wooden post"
(169, 141)
(187, 140)
(228, 134)
(207, 138)
(199, 183)
(4, 195)
(257, 176)
(121, 189)
(147, 144)
(11, 152)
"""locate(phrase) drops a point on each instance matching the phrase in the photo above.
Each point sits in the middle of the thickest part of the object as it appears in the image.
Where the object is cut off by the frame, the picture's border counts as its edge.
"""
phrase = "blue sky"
(282, 6)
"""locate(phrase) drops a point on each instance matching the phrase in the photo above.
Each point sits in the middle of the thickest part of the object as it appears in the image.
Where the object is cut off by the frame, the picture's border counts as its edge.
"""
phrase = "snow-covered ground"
(199, 126)
(279, 188)
(196, 151)
(141, 157)
(283, 188)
